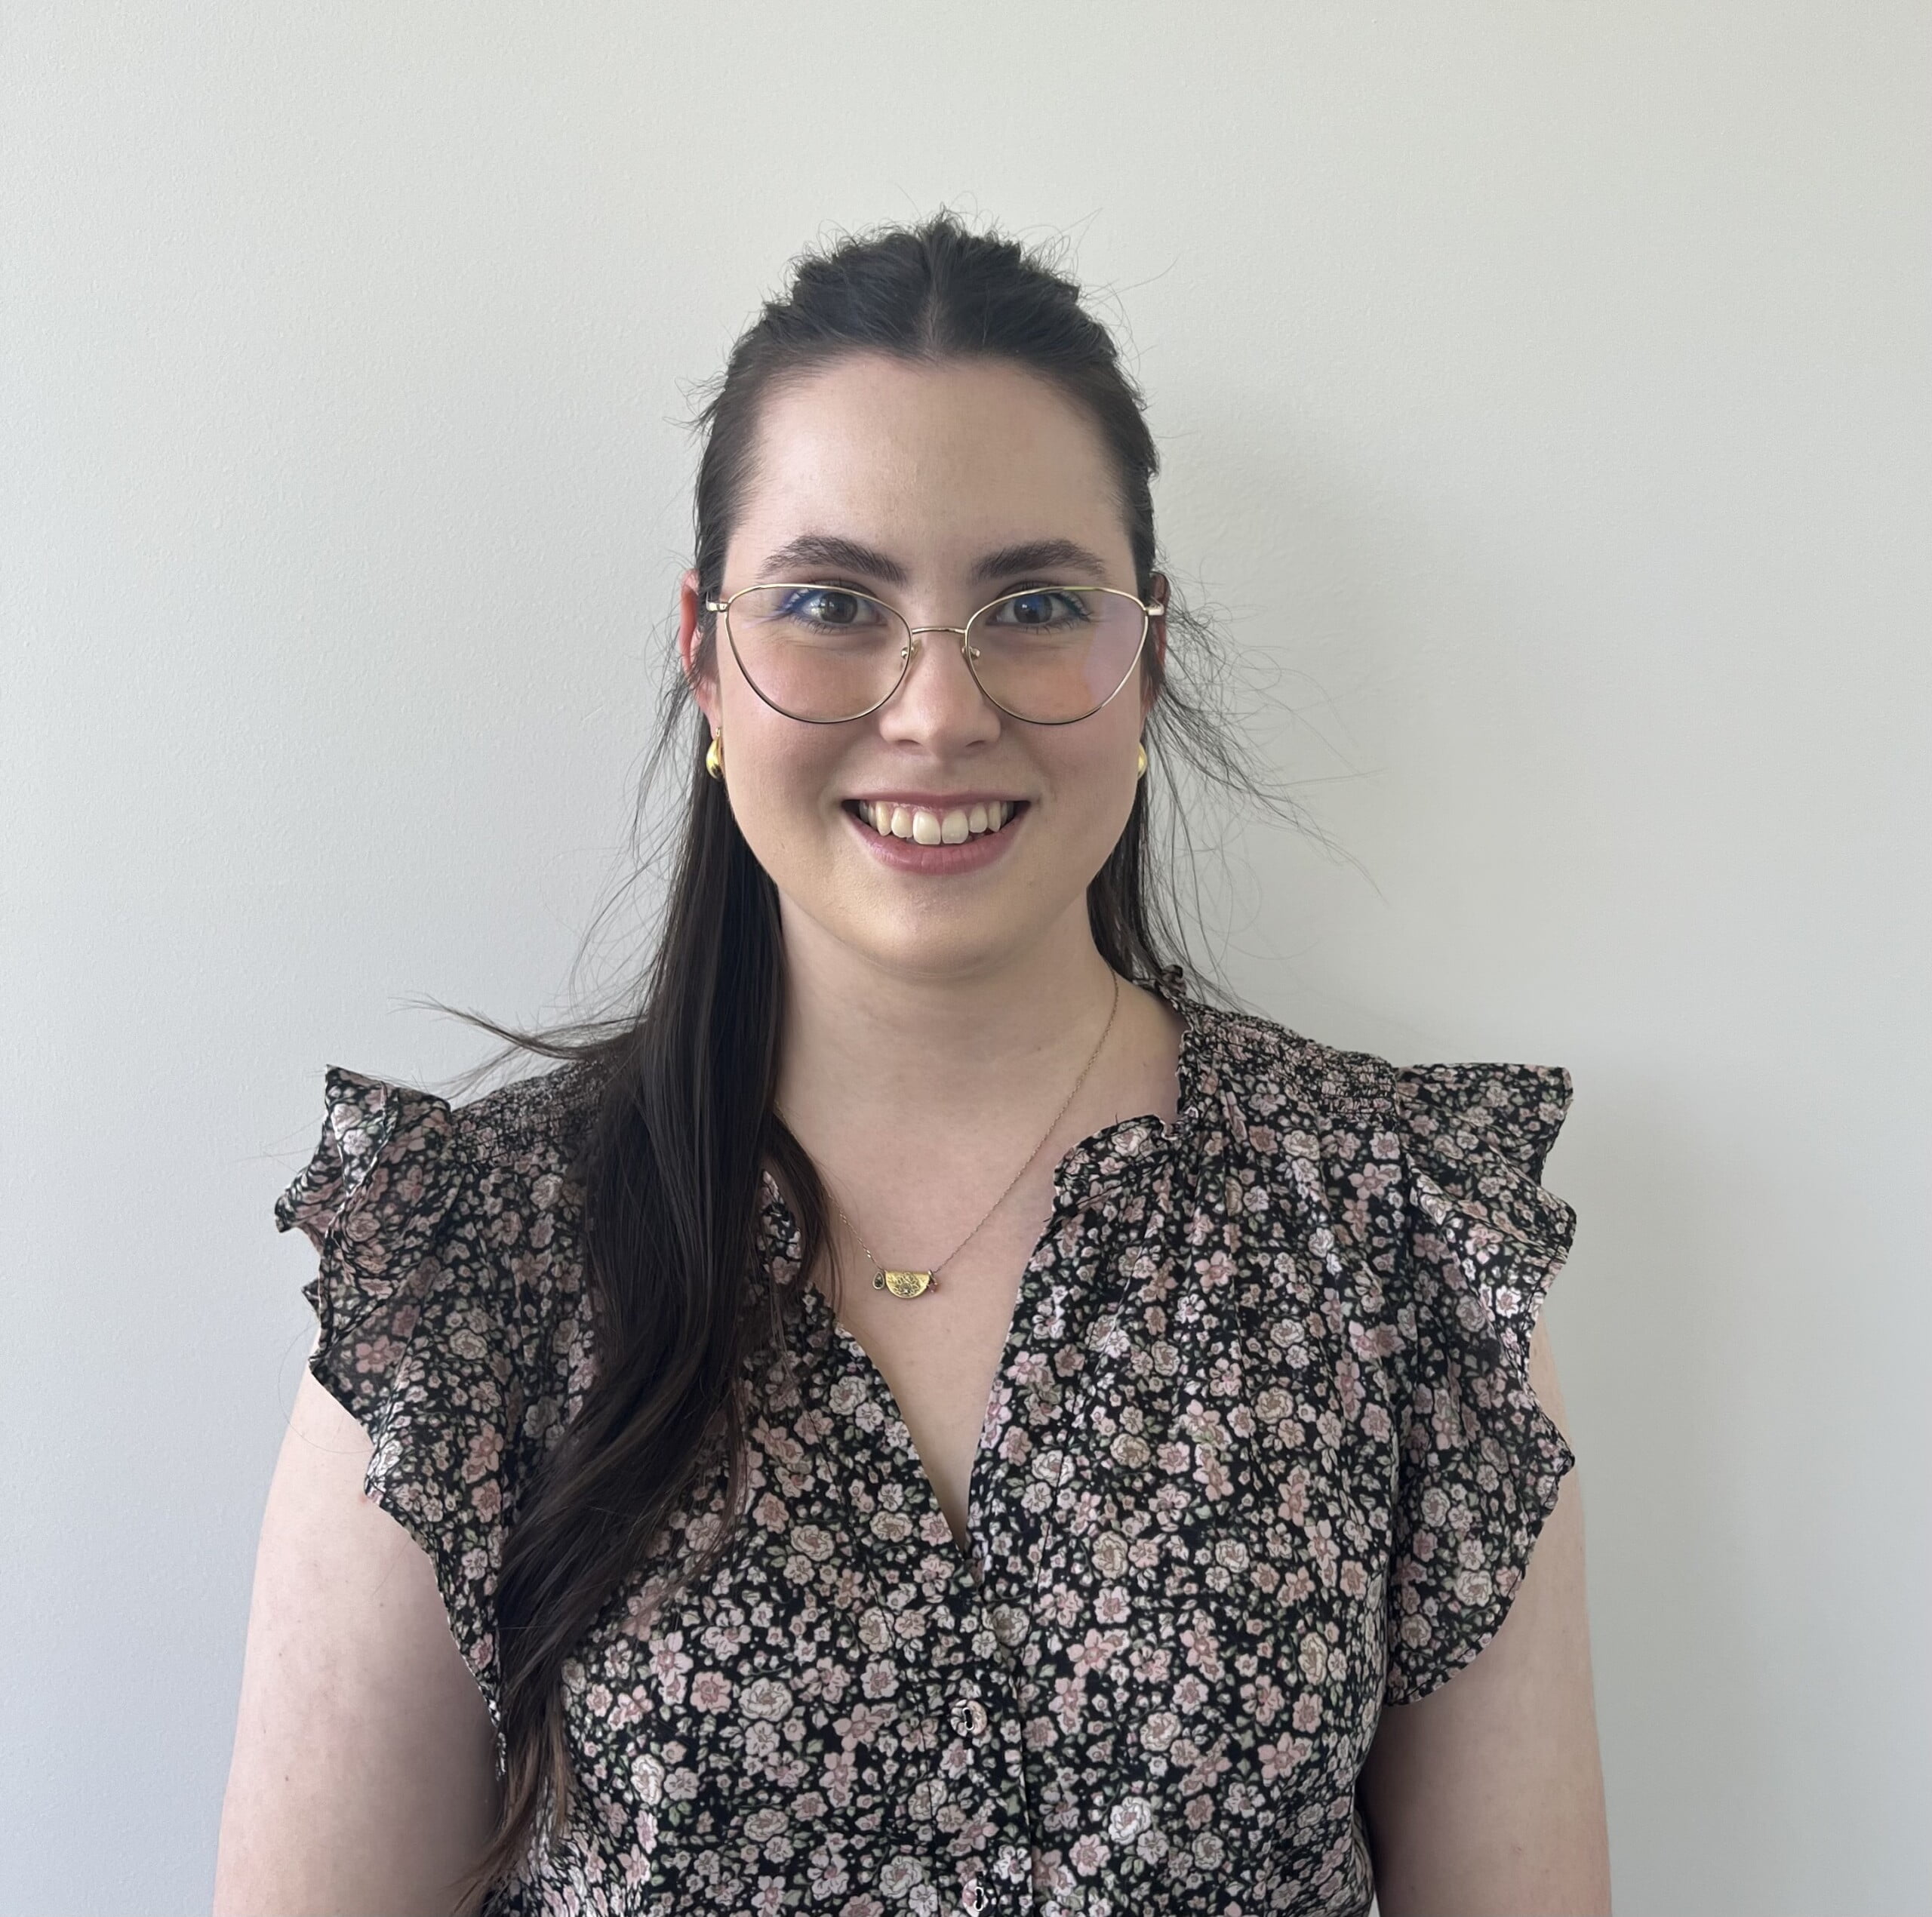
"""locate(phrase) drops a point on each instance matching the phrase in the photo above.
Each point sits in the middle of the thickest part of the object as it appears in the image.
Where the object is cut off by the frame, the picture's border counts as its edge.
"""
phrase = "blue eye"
(1044, 609)
(828, 606)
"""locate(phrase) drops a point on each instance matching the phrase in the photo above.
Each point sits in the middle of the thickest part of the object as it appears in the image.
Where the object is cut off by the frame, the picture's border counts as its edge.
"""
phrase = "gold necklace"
(914, 1283)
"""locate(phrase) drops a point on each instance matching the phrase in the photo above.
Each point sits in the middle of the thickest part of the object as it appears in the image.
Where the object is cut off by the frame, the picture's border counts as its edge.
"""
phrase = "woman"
(929, 1414)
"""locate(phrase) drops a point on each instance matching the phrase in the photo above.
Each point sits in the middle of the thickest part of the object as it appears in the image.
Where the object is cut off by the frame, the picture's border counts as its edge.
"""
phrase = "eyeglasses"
(1050, 655)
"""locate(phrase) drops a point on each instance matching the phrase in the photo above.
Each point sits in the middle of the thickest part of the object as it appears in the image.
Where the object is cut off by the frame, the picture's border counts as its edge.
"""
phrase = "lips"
(937, 839)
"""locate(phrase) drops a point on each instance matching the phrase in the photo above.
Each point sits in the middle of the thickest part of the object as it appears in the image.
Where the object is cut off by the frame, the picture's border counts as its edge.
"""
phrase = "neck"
(899, 1058)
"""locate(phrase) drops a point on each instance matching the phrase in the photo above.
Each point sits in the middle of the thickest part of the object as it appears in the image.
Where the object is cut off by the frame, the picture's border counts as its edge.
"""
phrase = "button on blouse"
(1261, 1457)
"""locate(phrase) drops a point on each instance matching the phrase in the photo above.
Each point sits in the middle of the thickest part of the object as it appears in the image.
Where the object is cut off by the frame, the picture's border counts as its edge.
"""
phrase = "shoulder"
(1248, 1066)
(516, 1231)
(1393, 1169)
(1399, 1213)
(410, 1154)
(449, 1228)
(522, 1144)
(449, 1305)
(1252, 1074)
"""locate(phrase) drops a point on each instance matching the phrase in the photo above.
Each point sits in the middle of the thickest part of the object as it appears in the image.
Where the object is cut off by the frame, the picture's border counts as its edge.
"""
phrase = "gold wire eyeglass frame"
(968, 651)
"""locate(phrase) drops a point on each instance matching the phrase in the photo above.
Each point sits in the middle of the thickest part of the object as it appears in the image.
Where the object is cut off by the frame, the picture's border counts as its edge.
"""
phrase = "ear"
(1157, 637)
(700, 671)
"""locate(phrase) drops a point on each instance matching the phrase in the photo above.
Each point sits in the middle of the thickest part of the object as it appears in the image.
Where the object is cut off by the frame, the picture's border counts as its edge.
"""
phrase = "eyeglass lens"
(1051, 654)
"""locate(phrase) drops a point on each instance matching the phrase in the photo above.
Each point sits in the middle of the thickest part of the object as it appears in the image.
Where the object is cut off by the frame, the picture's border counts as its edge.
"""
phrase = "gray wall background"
(1543, 391)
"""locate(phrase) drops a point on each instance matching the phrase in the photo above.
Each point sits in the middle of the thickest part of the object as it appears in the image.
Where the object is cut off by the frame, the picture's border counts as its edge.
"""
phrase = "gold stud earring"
(714, 758)
(1140, 762)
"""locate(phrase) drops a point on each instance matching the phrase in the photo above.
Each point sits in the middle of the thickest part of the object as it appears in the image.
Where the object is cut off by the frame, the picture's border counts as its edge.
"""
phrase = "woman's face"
(935, 487)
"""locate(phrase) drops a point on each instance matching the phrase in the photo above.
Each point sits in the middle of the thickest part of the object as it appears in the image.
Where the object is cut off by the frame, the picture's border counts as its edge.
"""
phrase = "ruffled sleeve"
(412, 1339)
(1480, 1461)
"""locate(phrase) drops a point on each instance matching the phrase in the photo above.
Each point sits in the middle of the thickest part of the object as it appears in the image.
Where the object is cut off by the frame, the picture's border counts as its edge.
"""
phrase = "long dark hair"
(682, 1125)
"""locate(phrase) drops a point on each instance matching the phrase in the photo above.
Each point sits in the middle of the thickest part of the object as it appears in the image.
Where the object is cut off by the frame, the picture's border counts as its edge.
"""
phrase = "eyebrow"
(811, 550)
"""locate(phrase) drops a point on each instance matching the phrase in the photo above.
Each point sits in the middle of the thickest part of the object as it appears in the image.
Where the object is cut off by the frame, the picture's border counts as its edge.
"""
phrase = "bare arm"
(364, 1777)
(1486, 1797)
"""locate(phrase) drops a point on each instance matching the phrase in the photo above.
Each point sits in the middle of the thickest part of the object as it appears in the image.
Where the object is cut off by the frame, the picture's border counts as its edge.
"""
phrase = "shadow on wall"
(1641, 1317)
(1478, 902)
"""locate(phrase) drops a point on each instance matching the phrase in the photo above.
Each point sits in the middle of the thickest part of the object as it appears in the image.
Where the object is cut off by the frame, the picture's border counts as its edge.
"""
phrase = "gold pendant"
(902, 1284)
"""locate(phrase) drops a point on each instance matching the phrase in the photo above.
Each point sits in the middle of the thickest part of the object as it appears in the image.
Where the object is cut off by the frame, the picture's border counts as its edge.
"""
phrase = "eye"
(1043, 608)
(831, 608)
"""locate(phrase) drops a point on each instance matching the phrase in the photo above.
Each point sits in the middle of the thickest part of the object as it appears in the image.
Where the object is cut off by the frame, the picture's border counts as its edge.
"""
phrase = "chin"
(929, 952)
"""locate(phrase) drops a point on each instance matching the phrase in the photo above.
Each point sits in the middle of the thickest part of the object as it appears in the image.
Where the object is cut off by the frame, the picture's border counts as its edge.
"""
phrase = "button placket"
(956, 1629)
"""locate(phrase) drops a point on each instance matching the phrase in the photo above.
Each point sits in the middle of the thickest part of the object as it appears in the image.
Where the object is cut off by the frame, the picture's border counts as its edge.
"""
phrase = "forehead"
(935, 462)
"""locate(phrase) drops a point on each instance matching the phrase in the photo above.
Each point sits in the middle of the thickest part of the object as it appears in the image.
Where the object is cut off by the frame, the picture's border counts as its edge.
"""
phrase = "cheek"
(1096, 776)
(778, 772)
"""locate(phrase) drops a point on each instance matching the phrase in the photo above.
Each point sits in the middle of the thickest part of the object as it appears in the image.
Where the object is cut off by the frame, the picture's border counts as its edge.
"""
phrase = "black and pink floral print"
(1261, 1459)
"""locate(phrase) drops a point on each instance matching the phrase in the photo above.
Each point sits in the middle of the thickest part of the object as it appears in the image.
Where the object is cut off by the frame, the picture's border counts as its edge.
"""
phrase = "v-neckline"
(1160, 1137)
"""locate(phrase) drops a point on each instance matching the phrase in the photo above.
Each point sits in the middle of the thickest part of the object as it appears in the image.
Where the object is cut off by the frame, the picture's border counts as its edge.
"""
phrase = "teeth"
(926, 827)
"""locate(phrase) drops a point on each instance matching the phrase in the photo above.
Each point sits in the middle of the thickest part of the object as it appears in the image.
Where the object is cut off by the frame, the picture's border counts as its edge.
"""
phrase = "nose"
(939, 704)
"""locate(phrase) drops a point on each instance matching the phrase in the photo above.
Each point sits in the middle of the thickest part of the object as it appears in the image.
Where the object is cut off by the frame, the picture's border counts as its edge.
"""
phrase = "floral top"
(1261, 1457)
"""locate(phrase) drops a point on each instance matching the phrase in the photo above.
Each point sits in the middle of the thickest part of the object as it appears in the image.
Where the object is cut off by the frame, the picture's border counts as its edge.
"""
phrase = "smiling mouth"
(925, 826)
